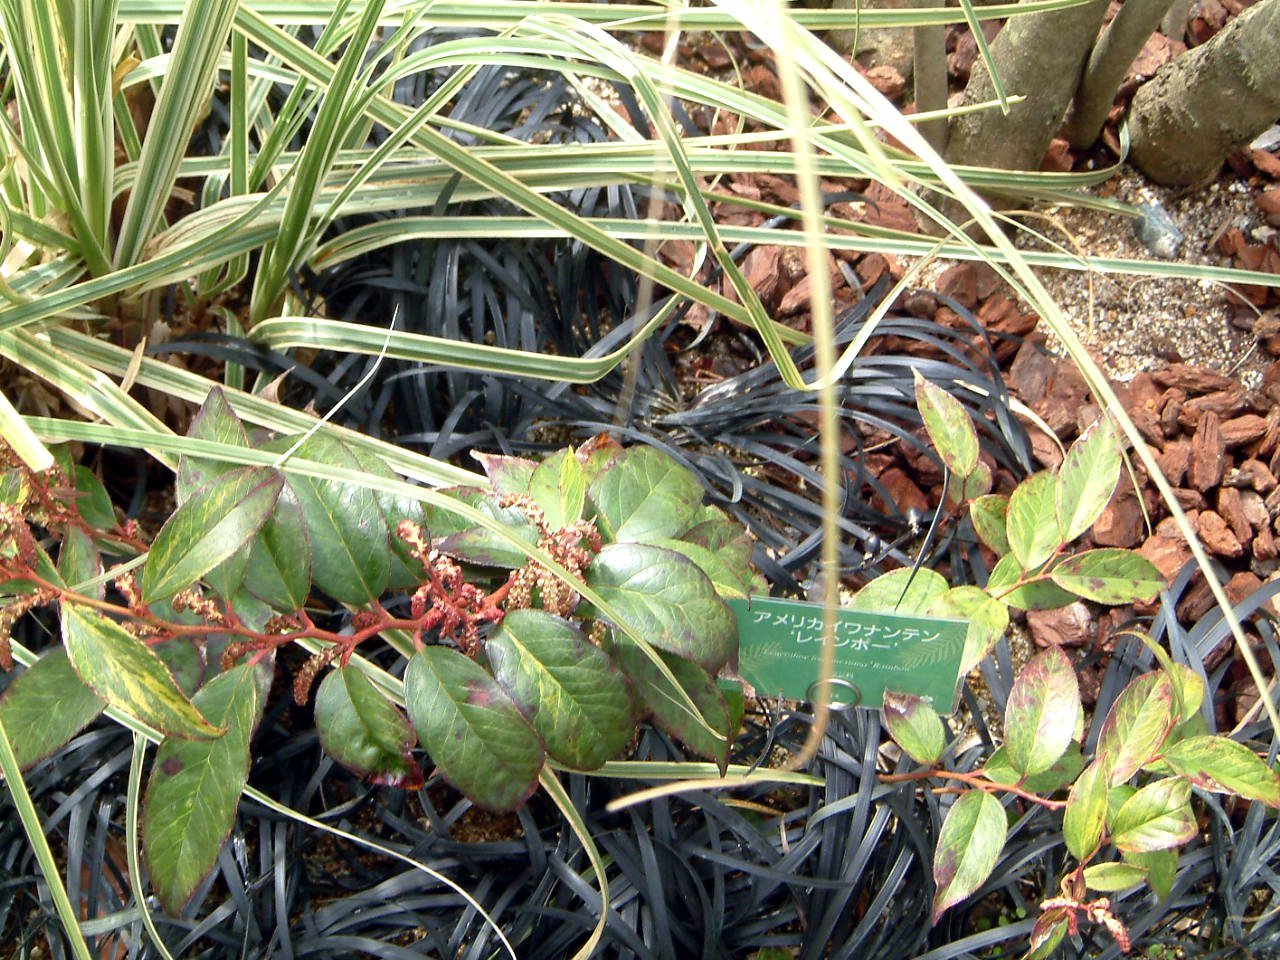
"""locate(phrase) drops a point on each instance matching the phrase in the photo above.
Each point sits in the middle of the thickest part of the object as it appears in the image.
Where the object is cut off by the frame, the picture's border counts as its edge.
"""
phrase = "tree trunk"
(1210, 101)
(1039, 56)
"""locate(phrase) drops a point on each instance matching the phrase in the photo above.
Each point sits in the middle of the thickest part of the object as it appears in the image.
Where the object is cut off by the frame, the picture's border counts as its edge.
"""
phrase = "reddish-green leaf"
(471, 729)
(279, 568)
(670, 713)
(665, 597)
(366, 732)
(506, 474)
(1032, 524)
(949, 426)
(969, 844)
(458, 537)
(989, 515)
(218, 520)
(914, 726)
(215, 420)
(568, 689)
(195, 787)
(45, 706)
(718, 567)
(1086, 813)
(406, 570)
(644, 495)
(1047, 934)
(1113, 876)
(350, 541)
(1157, 817)
(1223, 765)
(1109, 575)
(1087, 479)
(92, 500)
(123, 671)
(1136, 727)
(1040, 714)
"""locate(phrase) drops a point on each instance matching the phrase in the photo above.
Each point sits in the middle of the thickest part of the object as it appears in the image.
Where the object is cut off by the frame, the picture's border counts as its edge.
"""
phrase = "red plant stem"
(974, 780)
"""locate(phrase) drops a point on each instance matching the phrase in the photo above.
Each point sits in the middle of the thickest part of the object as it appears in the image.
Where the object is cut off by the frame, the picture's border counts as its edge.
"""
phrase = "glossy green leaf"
(456, 537)
(126, 673)
(644, 496)
(989, 515)
(227, 578)
(670, 713)
(1157, 817)
(949, 425)
(567, 688)
(191, 799)
(1136, 726)
(969, 844)
(1086, 813)
(1223, 765)
(717, 566)
(213, 524)
(904, 591)
(1113, 876)
(914, 726)
(364, 731)
(1161, 867)
(215, 420)
(1032, 524)
(45, 706)
(473, 731)
(1109, 575)
(350, 552)
(667, 599)
(92, 500)
(279, 568)
(559, 487)
(1087, 479)
(406, 570)
(1041, 712)
(988, 621)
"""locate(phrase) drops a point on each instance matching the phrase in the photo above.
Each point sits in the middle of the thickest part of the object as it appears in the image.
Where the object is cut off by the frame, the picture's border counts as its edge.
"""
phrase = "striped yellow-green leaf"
(127, 674)
(219, 519)
(195, 787)
(472, 730)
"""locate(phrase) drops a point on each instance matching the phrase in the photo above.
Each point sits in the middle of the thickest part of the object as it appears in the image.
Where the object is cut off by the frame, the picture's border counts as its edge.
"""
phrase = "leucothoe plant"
(1125, 808)
(541, 618)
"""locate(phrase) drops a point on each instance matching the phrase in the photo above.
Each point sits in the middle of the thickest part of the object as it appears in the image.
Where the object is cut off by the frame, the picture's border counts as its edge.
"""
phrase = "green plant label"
(780, 645)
